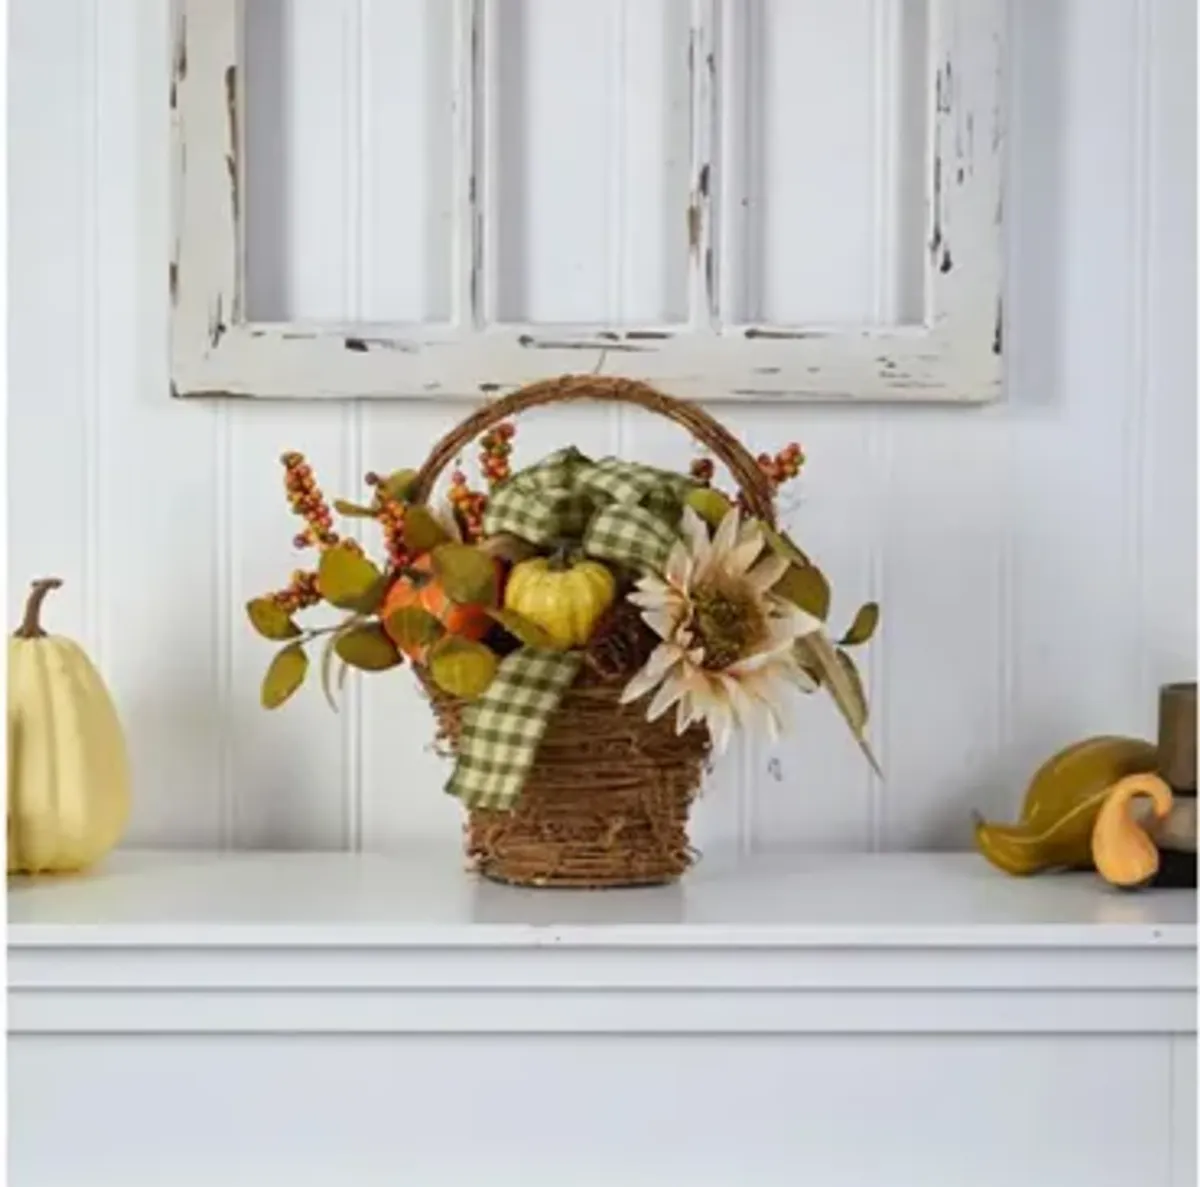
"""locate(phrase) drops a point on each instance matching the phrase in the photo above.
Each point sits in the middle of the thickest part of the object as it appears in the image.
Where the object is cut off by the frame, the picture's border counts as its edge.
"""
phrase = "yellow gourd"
(564, 599)
(68, 771)
(1060, 806)
(1124, 852)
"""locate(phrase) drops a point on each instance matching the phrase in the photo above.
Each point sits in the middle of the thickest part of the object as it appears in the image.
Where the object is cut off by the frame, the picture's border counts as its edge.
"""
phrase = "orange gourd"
(1124, 852)
(419, 586)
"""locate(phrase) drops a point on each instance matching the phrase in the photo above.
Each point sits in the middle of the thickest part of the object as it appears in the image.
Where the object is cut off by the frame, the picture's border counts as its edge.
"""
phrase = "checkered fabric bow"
(620, 512)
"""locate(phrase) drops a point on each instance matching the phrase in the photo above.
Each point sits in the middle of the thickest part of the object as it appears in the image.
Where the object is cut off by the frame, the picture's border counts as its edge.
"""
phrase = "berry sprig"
(469, 506)
(779, 470)
(389, 512)
(300, 593)
(784, 466)
(495, 448)
(306, 500)
(702, 470)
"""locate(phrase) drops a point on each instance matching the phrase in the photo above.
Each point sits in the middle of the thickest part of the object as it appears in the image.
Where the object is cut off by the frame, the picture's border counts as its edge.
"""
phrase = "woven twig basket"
(607, 800)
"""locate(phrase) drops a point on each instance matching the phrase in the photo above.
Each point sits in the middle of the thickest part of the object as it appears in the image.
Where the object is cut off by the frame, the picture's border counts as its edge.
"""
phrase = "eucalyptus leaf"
(784, 546)
(467, 575)
(461, 667)
(524, 629)
(422, 531)
(806, 587)
(353, 510)
(816, 651)
(284, 675)
(270, 619)
(863, 626)
(367, 647)
(413, 627)
(327, 654)
(346, 579)
(858, 694)
(399, 484)
(709, 504)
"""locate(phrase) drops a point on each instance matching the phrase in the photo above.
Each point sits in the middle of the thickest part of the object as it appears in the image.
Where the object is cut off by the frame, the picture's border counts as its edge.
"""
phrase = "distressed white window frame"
(954, 354)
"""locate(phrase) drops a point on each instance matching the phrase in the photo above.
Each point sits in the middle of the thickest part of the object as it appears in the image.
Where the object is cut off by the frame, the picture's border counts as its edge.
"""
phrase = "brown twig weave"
(606, 803)
(607, 800)
(749, 476)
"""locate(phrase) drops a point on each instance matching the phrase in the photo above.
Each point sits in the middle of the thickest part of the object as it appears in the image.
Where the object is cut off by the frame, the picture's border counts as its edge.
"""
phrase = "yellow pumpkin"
(565, 599)
(68, 769)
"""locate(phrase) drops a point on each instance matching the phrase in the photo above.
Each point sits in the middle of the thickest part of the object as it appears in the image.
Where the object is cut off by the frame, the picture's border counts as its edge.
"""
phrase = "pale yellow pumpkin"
(565, 599)
(68, 769)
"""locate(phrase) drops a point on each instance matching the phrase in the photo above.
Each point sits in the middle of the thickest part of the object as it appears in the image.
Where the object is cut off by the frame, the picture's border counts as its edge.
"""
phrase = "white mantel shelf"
(848, 1021)
(409, 942)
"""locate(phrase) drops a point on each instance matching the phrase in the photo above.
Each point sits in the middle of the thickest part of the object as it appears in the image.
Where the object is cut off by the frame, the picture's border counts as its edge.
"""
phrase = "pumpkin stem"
(562, 556)
(31, 626)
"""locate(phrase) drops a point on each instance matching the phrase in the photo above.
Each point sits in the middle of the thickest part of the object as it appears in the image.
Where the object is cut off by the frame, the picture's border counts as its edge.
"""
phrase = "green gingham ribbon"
(503, 729)
(621, 512)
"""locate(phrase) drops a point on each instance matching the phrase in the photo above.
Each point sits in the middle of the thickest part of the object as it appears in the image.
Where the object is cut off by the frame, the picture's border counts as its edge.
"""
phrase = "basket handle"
(755, 486)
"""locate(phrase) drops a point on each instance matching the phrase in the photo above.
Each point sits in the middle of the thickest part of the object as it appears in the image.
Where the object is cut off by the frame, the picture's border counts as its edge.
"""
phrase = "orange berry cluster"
(495, 448)
(390, 514)
(469, 506)
(307, 501)
(702, 470)
(784, 466)
(300, 593)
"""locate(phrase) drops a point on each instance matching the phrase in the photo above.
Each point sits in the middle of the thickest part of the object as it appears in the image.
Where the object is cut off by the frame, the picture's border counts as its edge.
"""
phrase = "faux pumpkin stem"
(31, 626)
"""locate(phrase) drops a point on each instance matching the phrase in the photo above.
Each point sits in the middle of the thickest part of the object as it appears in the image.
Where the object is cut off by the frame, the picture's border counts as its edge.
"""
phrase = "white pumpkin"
(68, 769)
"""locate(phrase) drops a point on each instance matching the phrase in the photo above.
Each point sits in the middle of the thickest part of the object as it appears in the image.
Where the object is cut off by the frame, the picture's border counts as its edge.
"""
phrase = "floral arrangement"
(501, 596)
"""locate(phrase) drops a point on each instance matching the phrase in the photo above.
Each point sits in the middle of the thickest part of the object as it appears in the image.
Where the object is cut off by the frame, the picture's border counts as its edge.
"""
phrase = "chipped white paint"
(953, 354)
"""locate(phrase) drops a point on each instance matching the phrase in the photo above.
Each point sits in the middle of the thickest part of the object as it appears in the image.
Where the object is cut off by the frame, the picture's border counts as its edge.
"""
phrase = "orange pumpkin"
(423, 589)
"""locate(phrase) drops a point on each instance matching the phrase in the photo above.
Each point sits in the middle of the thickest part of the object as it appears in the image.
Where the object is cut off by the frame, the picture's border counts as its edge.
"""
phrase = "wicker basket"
(607, 800)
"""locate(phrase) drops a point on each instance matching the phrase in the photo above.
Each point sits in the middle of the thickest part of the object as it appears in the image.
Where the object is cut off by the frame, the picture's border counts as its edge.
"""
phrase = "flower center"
(728, 623)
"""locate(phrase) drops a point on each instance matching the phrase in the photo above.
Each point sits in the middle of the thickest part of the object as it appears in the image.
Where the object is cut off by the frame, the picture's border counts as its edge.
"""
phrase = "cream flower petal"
(751, 527)
(760, 660)
(727, 532)
(782, 631)
(650, 599)
(650, 590)
(738, 701)
(679, 567)
(662, 622)
(689, 708)
(758, 709)
(767, 572)
(765, 695)
(720, 724)
(664, 657)
(695, 532)
(739, 559)
(673, 687)
(805, 623)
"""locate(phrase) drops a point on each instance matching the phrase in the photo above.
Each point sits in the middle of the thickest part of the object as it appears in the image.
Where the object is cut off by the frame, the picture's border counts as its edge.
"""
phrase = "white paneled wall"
(1035, 560)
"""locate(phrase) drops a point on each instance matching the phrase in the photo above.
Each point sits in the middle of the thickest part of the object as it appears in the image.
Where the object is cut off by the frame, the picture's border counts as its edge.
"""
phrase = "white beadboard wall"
(1036, 560)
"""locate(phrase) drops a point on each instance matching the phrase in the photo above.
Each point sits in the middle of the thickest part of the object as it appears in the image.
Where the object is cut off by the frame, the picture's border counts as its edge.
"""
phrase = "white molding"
(955, 355)
(268, 943)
